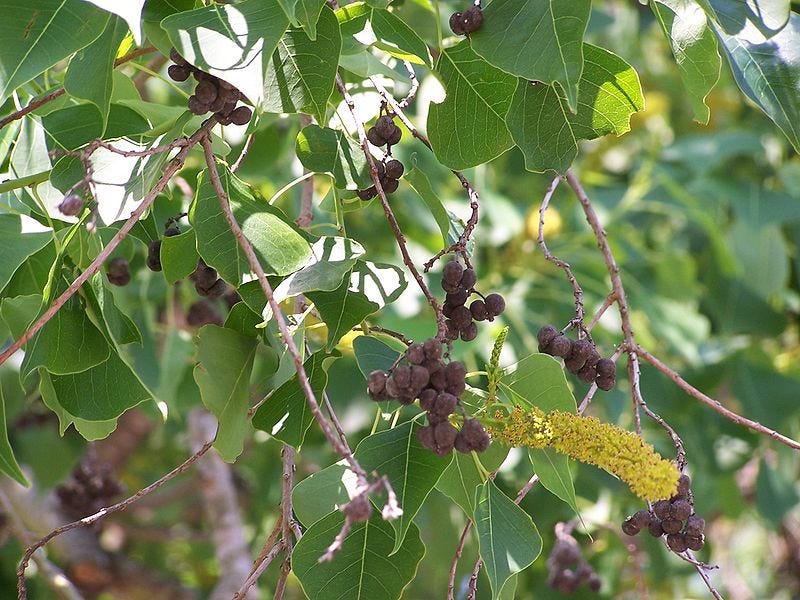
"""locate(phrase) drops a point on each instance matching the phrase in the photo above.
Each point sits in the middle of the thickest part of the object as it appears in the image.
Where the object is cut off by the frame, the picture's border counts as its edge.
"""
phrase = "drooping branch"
(171, 169)
(387, 209)
(102, 513)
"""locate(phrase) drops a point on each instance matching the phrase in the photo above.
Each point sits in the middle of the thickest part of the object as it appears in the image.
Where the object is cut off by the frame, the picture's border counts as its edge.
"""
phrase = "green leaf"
(71, 127)
(302, 71)
(232, 41)
(278, 246)
(535, 40)
(179, 256)
(538, 380)
(68, 343)
(420, 183)
(28, 31)
(101, 393)
(411, 468)
(8, 464)
(331, 259)
(363, 568)
(321, 492)
(304, 13)
(118, 326)
(468, 128)
(20, 237)
(225, 360)
(384, 30)
(342, 309)
(325, 150)
(461, 479)
(761, 18)
(285, 414)
(694, 47)
(156, 11)
(90, 430)
(547, 133)
(768, 72)
(372, 354)
(508, 538)
(90, 72)
(130, 11)
(554, 474)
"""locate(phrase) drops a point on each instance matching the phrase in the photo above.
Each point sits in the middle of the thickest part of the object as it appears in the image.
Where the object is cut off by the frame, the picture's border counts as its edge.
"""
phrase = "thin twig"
(287, 456)
(461, 245)
(53, 576)
(34, 104)
(259, 570)
(610, 299)
(173, 167)
(102, 513)
(243, 154)
(280, 320)
(256, 569)
(387, 209)
(576, 289)
(714, 404)
(412, 93)
(451, 583)
(334, 419)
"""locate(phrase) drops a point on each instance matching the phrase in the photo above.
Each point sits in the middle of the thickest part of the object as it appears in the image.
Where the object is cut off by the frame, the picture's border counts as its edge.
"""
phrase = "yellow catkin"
(586, 439)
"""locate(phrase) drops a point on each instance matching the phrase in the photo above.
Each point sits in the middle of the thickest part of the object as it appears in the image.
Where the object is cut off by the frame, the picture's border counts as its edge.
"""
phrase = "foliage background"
(705, 222)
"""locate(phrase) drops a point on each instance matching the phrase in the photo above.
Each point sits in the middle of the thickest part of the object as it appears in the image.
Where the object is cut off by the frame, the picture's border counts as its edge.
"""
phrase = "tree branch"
(173, 167)
(102, 513)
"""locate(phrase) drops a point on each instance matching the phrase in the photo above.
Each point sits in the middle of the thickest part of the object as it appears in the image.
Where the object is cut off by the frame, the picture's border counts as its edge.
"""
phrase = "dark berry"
(630, 528)
(178, 73)
(641, 518)
(655, 528)
(444, 434)
(241, 115)
(231, 298)
(415, 354)
(681, 509)
(426, 438)
(605, 368)
(457, 298)
(455, 372)
(684, 483)
(154, 255)
(694, 542)
(203, 274)
(216, 290)
(380, 169)
(452, 273)
(560, 346)
(203, 313)
(118, 272)
(367, 194)
(392, 389)
(433, 349)
(385, 126)
(389, 185)
(472, 18)
(581, 349)
(461, 317)
(394, 169)
(604, 383)
(427, 399)
(375, 138)
(376, 384)
(478, 310)
(468, 279)
(677, 542)
(595, 583)
(197, 106)
(71, 205)
(662, 509)
(419, 378)
(457, 23)
(438, 380)
(444, 404)
(546, 335)
(671, 525)
(495, 304)
(695, 525)
(587, 374)
(402, 375)
(469, 333)
(472, 430)
(393, 139)
(456, 388)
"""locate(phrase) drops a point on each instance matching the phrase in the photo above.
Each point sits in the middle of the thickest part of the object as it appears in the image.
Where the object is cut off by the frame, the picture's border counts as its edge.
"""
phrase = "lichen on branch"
(587, 439)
